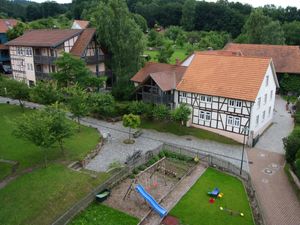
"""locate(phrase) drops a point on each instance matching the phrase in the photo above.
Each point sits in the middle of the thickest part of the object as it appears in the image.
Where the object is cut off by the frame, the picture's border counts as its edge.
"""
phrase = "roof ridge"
(236, 56)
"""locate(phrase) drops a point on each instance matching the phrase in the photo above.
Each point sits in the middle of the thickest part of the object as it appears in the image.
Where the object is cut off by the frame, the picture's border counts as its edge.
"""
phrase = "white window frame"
(263, 115)
(208, 99)
(201, 115)
(267, 80)
(266, 99)
(207, 116)
(270, 109)
(183, 94)
(230, 120)
(237, 121)
(231, 103)
(238, 104)
(203, 98)
(258, 102)
(271, 95)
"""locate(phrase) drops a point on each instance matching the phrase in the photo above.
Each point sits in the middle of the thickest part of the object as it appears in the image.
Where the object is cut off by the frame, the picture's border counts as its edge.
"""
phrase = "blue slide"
(160, 210)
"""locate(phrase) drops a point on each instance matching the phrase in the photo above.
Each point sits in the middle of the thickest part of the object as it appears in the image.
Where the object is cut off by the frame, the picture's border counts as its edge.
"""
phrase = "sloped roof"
(236, 77)
(153, 67)
(166, 80)
(6, 24)
(286, 58)
(80, 24)
(83, 41)
(44, 37)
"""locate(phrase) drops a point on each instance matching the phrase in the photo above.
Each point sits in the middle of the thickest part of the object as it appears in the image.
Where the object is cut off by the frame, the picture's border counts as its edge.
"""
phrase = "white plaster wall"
(262, 125)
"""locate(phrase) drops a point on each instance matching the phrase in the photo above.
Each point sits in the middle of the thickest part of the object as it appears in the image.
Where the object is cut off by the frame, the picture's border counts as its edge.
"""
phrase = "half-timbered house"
(232, 95)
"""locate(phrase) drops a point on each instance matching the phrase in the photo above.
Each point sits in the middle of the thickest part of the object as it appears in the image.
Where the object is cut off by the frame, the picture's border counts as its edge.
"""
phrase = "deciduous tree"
(132, 122)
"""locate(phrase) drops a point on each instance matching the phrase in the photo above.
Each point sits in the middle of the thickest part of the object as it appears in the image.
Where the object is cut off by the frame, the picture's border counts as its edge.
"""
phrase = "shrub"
(161, 154)
(161, 112)
(121, 108)
(103, 104)
(290, 83)
(135, 171)
(292, 145)
(181, 114)
(297, 167)
(45, 93)
(142, 167)
(139, 108)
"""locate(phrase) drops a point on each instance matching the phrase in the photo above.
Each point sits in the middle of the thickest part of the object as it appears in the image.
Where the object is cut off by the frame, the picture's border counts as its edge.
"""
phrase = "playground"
(134, 196)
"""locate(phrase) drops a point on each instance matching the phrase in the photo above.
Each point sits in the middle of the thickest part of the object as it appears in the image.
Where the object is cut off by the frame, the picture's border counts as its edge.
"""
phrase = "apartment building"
(33, 54)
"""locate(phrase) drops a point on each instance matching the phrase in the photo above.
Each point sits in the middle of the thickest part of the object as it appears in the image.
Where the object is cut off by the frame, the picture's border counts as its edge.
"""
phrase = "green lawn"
(37, 198)
(179, 53)
(41, 196)
(5, 169)
(27, 154)
(194, 208)
(99, 214)
(179, 130)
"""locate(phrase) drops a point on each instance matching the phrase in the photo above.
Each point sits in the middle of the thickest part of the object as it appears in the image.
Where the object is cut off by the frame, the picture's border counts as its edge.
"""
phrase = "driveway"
(278, 200)
(283, 124)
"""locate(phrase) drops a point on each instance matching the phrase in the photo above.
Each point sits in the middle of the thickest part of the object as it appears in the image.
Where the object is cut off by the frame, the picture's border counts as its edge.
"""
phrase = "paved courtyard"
(283, 124)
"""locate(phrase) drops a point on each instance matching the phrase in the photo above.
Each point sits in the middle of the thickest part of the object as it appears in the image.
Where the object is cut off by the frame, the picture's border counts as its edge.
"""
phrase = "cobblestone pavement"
(283, 124)
(278, 200)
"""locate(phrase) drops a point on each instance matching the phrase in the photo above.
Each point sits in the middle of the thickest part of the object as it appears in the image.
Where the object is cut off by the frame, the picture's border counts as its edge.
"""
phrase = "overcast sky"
(283, 3)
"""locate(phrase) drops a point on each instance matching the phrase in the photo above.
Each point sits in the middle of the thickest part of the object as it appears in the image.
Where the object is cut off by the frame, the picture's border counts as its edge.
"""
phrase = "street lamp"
(245, 130)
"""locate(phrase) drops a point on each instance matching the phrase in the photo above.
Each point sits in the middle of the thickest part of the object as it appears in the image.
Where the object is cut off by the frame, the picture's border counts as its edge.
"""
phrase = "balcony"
(47, 60)
(93, 59)
(39, 75)
(156, 98)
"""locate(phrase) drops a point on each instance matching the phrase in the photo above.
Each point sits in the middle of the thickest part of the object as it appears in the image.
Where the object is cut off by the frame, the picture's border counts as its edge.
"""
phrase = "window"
(267, 80)
(270, 111)
(266, 98)
(184, 94)
(231, 102)
(202, 115)
(258, 102)
(208, 116)
(204, 98)
(230, 120)
(263, 115)
(257, 120)
(208, 99)
(31, 66)
(238, 104)
(271, 95)
(237, 121)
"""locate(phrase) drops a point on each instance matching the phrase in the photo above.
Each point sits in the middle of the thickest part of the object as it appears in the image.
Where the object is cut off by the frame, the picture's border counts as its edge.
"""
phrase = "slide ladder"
(159, 209)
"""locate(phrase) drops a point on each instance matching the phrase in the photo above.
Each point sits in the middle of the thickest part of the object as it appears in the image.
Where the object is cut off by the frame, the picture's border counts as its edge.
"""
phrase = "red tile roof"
(286, 58)
(6, 24)
(236, 77)
(166, 76)
(83, 24)
(83, 41)
(44, 37)
(3, 47)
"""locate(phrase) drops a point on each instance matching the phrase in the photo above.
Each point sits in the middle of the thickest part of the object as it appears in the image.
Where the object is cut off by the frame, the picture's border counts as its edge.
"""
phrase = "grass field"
(27, 154)
(194, 208)
(37, 198)
(5, 169)
(176, 129)
(99, 214)
(179, 53)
